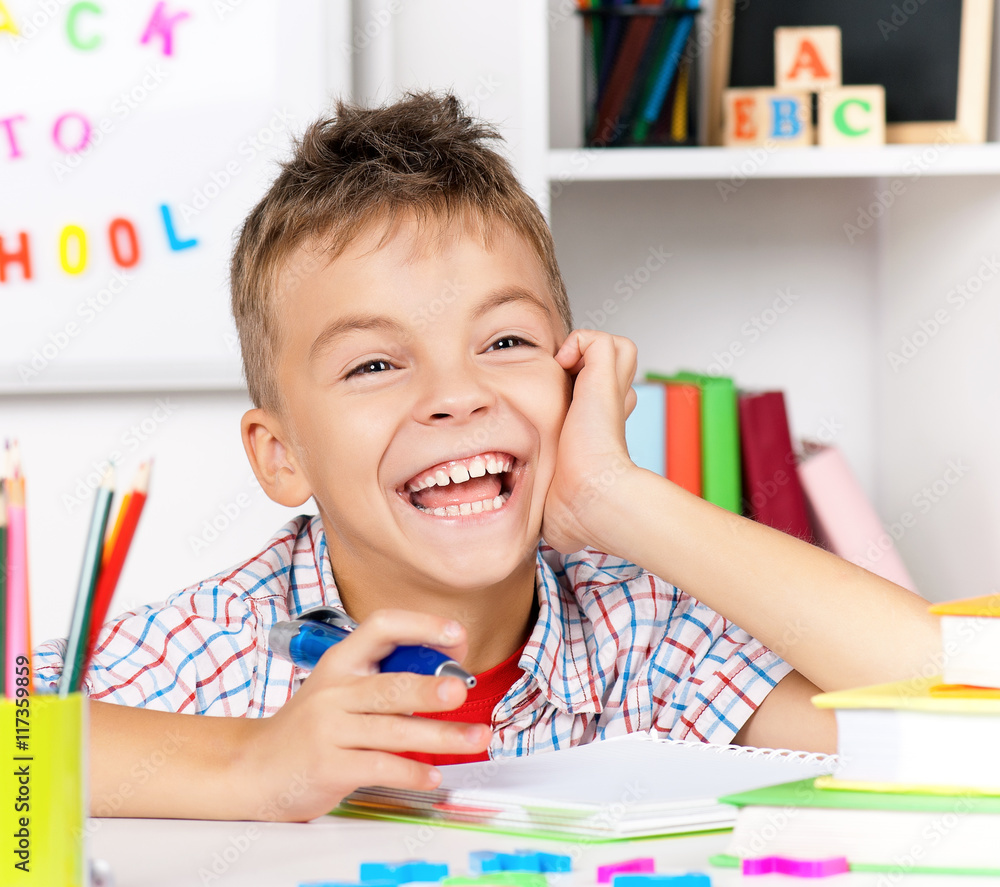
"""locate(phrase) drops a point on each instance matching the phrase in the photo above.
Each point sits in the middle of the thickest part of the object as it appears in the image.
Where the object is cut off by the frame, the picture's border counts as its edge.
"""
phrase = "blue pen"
(303, 641)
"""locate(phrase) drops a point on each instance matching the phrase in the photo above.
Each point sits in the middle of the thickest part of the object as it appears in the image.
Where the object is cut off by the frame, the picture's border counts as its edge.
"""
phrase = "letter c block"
(852, 115)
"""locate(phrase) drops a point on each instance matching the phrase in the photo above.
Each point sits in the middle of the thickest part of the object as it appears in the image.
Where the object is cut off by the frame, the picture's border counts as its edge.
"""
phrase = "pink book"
(843, 519)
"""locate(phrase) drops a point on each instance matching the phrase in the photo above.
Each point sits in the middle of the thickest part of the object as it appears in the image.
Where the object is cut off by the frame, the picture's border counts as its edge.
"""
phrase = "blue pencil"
(654, 105)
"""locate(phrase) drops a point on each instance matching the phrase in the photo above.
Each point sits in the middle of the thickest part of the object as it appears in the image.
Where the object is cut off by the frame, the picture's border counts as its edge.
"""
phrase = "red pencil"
(115, 551)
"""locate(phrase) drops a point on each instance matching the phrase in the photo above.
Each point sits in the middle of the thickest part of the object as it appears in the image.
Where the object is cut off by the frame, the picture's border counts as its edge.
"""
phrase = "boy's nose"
(455, 393)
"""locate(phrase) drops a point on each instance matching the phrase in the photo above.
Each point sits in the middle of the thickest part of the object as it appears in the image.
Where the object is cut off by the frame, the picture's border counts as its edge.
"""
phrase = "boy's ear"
(273, 462)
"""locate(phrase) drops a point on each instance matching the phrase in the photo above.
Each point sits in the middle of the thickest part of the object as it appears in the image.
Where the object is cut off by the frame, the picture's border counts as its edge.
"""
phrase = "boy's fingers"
(401, 692)
(385, 630)
(396, 733)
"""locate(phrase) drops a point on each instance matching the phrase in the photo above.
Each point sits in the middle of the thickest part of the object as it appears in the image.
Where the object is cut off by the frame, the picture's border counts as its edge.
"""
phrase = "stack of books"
(735, 448)
(917, 786)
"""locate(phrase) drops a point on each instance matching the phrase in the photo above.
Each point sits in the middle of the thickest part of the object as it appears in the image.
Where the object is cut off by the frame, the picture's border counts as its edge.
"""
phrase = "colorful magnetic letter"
(172, 239)
(71, 34)
(401, 872)
(799, 868)
(640, 865)
(163, 24)
(691, 879)
(22, 257)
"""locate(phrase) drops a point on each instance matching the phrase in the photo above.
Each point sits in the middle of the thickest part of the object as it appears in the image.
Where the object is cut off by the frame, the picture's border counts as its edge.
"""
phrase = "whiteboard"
(135, 135)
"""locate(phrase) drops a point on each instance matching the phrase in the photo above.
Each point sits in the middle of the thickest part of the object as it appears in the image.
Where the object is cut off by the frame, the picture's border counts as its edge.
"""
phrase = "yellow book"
(970, 637)
(907, 736)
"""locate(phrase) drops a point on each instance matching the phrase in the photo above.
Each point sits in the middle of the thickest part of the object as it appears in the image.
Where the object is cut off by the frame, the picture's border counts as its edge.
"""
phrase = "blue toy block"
(555, 862)
(483, 861)
(520, 861)
(402, 872)
(691, 879)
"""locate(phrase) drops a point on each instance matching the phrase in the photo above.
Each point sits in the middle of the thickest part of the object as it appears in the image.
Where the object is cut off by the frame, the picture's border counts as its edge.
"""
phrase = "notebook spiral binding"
(749, 751)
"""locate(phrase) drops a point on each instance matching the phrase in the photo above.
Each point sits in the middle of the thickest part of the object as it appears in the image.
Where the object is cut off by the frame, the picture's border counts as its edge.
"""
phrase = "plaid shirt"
(615, 650)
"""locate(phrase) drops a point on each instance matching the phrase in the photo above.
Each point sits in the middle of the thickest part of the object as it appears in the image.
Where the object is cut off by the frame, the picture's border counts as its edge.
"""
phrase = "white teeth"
(442, 478)
(487, 504)
(459, 474)
(498, 502)
(440, 512)
(453, 510)
(491, 466)
(465, 508)
(477, 467)
(477, 507)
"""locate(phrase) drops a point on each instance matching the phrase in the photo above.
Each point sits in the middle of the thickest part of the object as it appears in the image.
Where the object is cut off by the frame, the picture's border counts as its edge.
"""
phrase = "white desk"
(178, 853)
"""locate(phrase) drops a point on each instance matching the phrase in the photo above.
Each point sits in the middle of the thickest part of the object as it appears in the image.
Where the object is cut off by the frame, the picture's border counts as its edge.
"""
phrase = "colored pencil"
(18, 643)
(76, 643)
(115, 551)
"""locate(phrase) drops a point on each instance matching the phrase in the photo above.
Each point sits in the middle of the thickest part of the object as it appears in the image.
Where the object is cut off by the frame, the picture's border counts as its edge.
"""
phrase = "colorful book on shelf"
(646, 427)
(842, 517)
(627, 787)
(888, 832)
(902, 737)
(772, 493)
(970, 636)
(721, 481)
(683, 431)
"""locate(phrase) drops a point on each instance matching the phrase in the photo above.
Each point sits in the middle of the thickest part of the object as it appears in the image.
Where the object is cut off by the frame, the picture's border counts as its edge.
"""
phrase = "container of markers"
(43, 787)
(640, 74)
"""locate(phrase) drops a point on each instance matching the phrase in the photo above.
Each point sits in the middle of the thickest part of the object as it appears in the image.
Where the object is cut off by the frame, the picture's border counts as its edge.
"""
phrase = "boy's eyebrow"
(383, 324)
(348, 325)
(510, 294)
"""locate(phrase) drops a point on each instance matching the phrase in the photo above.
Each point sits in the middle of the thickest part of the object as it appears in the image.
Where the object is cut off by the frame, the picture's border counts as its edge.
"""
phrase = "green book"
(875, 831)
(721, 482)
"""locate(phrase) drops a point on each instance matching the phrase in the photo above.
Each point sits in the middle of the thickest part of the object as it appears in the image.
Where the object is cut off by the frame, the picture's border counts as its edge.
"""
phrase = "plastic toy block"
(640, 865)
(486, 861)
(402, 872)
(799, 868)
(499, 879)
(690, 879)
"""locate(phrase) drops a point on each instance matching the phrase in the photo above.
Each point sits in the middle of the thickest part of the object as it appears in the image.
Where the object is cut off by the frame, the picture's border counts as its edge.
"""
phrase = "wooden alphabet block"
(766, 116)
(852, 115)
(807, 58)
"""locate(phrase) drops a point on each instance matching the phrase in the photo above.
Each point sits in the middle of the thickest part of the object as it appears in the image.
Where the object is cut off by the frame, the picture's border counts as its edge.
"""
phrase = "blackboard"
(932, 56)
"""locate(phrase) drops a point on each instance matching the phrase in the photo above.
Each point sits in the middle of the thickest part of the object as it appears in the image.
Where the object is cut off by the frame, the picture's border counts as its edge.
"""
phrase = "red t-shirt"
(491, 686)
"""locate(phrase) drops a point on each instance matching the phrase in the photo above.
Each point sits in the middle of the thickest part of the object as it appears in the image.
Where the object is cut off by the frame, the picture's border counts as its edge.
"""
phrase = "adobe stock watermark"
(751, 331)
(626, 287)
(225, 515)
(88, 310)
(374, 24)
(900, 14)
(130, 440)
(29, 27)
(922, 501)
(958, 297)
(915, 167)
(92, 136)
(755, 160)
(217, 181)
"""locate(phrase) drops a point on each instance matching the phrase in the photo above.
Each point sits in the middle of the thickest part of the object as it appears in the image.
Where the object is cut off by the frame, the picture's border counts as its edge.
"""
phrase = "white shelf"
(910, 161)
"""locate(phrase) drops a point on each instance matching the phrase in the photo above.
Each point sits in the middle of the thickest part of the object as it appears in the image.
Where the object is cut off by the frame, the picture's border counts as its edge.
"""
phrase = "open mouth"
(468, 486)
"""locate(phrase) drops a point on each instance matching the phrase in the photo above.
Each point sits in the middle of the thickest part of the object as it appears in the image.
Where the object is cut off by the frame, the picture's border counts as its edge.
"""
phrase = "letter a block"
(852, 115)
(766, 116)
(807, 58)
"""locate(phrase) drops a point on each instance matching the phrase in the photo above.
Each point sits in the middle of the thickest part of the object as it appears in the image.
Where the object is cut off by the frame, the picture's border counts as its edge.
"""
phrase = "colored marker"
(305, 641)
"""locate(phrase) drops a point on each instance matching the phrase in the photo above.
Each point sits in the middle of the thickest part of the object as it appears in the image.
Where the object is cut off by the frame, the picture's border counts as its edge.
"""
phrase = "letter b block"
(806, 58)
(763, 116)
(852, 115)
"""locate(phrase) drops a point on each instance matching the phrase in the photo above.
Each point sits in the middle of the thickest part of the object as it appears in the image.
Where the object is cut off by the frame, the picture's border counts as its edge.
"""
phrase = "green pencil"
(79, 631)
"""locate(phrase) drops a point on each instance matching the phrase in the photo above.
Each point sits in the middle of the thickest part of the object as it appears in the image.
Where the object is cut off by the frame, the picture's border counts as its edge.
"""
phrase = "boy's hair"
(422, 156)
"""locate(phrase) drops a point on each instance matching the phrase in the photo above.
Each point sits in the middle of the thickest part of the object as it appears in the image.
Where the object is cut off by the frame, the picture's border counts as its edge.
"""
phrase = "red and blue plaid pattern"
(615, 650)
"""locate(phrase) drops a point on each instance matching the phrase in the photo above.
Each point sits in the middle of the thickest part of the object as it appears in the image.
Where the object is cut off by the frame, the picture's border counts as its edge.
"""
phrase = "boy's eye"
(505, 342)
(368, 367)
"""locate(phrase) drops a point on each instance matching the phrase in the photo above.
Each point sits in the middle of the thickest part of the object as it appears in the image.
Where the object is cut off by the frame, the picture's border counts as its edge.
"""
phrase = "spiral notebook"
(628, 787)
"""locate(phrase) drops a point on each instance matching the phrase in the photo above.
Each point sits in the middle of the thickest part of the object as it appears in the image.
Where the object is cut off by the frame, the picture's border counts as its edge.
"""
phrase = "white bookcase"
(764, 281)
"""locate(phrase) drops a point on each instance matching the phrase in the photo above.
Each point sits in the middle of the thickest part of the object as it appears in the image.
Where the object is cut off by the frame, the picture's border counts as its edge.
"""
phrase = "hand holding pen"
(343, 726)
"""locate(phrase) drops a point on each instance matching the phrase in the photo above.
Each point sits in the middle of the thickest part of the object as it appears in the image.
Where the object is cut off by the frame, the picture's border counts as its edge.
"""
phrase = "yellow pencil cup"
(43, 791)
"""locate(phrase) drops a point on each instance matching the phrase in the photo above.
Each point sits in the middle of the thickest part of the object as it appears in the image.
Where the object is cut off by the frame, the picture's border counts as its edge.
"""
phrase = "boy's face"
(429, 359)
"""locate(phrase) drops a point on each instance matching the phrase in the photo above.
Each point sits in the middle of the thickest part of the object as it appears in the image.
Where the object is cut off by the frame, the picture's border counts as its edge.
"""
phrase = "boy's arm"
(335, 734)
(838, 625)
